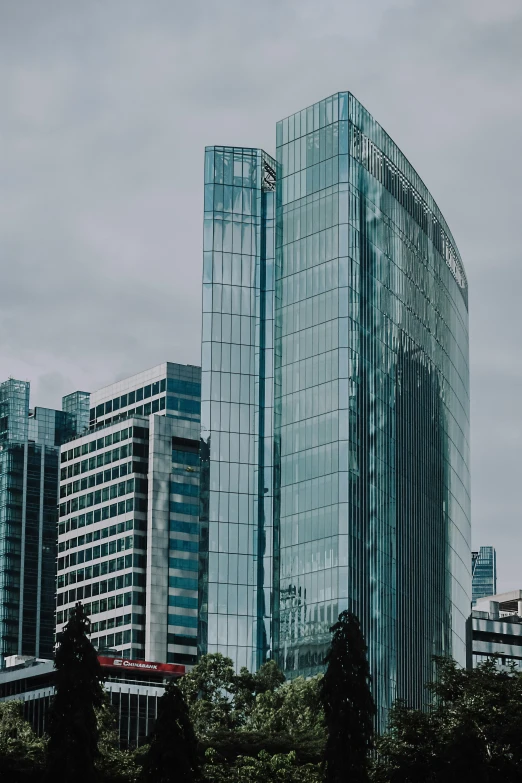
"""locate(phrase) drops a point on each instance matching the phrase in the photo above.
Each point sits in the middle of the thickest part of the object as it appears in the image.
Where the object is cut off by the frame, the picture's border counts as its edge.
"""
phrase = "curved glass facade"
(371, 408)
(335, 405)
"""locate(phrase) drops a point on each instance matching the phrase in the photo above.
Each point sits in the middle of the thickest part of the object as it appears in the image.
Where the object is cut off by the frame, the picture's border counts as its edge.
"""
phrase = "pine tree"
(173, 751)
(348, 704)
(73, 732)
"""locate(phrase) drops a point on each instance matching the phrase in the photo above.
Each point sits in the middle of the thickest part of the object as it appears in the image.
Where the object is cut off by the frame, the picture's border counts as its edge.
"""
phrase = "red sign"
(142, 666)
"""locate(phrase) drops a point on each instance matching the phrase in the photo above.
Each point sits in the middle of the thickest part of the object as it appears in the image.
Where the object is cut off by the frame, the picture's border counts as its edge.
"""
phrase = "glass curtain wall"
(237, 405)
(371, 405)
(29, 461)
(14, 416)
(77, 404)
(484, 573)
(183, 552)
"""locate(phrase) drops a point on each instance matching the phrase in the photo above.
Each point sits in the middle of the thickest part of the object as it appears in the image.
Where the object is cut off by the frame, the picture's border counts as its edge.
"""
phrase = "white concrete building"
(497, 629)
(129, 506)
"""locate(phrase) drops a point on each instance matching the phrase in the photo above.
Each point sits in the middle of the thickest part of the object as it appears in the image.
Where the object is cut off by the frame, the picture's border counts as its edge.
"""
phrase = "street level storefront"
(133, 688)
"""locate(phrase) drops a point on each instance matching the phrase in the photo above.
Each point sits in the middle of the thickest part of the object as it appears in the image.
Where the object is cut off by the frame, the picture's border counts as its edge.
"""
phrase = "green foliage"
(348, 704)
(263, 729)
(294, 709)
(113, 764)
(247, 686)
(472, 732)
(73, 729)
(208, 690)
(246, 714)
(173, 752)
(279, 767)
(22, 753)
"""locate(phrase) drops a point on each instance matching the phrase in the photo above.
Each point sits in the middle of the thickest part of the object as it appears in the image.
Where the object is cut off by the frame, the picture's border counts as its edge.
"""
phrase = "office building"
(133, 689)
(497, 630)
(128, 529)
(29, 464)
(335, 405)
(484, 573)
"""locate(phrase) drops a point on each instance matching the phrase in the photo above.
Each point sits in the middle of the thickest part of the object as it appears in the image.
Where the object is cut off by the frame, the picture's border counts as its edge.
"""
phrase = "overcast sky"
(106, 106)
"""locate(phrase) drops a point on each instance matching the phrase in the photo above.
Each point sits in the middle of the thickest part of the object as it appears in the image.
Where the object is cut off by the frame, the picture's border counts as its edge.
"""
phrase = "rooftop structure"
(497, 629)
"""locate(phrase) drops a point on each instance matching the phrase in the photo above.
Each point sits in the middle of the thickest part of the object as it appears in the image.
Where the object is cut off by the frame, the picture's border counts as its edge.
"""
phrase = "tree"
(208, 691)
(73, 731)
(173, 752)
(292, 715)
(473, 730)
(114, 765)
(348, 705)
(410, 750)
(247, 686)
(21, 751)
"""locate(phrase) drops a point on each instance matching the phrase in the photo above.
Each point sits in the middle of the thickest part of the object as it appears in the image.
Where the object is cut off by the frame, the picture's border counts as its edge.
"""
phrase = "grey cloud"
(107, 108)
(52, 385)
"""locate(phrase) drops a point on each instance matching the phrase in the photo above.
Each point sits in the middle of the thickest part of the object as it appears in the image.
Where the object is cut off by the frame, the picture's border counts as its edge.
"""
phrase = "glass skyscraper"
(484, 573)
(237, 404)
(29, 474)
(335, 405)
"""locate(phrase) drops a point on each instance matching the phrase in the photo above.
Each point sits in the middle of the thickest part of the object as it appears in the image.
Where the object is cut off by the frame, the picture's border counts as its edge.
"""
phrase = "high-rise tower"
(370, 392)
(237, 404)
(29, 478)
(484, 573)
(128, 528)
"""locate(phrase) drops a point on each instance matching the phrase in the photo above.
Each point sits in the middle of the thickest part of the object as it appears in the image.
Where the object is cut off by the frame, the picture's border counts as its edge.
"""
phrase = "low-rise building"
(133, 689)
(497, 629)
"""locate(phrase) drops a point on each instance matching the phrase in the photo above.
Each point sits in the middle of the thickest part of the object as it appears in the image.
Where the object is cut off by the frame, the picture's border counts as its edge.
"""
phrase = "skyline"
(104, 160)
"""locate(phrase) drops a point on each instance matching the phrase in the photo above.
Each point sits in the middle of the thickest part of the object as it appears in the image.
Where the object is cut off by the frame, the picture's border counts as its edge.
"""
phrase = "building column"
(158, 513)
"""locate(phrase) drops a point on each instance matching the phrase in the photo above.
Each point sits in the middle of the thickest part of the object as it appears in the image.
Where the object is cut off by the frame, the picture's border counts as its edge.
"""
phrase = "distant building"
(77, 404)
(133, 688)
(497, 629)
(484, 573)
(29, 471)
(129, 505)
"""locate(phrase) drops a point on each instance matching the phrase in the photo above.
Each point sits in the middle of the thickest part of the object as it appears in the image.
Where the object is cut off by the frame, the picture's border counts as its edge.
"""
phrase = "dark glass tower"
(29, 475)
(371, 407)
(484, 573)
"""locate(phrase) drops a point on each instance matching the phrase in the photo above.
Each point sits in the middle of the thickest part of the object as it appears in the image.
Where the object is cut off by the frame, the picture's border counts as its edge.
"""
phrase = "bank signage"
(128, 663)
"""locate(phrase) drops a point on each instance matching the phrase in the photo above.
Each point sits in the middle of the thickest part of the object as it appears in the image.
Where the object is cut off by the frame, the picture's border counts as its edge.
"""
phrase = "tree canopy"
(257, 727)
(244, 719)
(473, 730)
